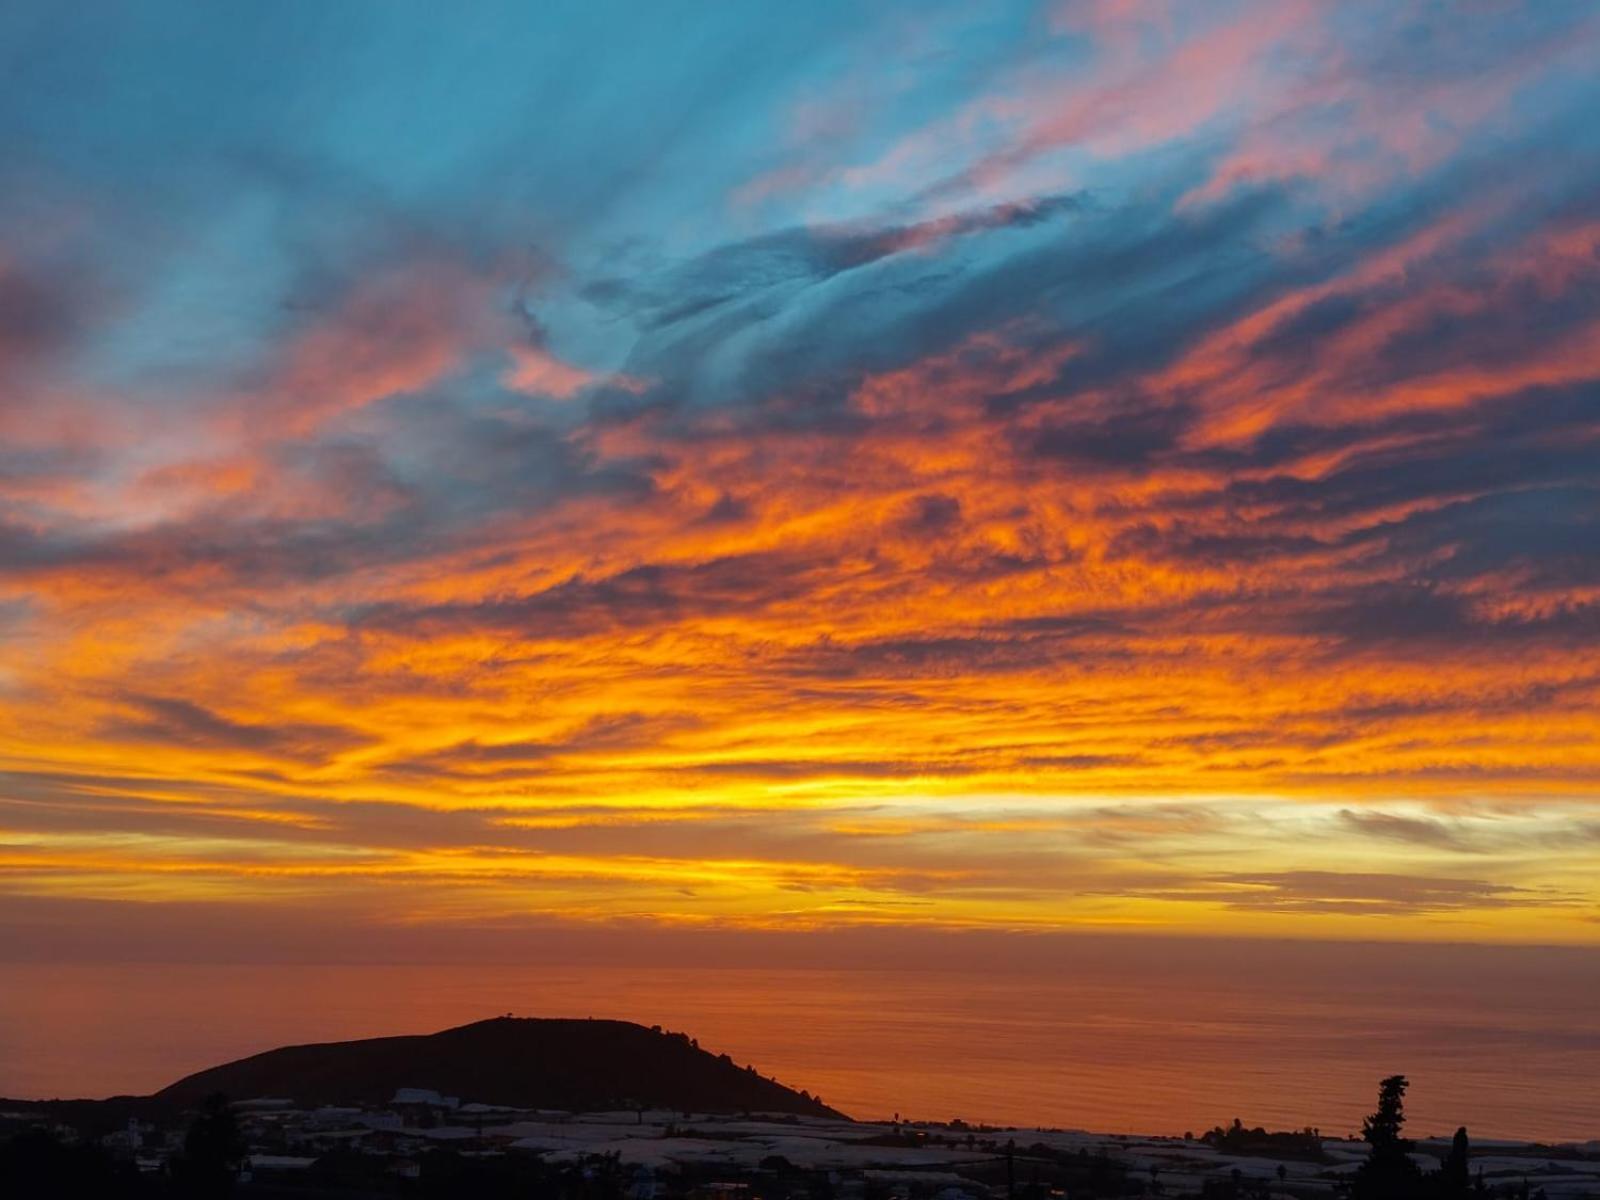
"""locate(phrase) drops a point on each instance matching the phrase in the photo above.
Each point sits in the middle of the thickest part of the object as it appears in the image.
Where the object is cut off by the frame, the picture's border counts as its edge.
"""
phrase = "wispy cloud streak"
(1130, 464)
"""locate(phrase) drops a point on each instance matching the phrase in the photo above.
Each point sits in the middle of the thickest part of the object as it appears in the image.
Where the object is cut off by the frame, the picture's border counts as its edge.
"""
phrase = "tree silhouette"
(1382, 1129)
(1453, 1181)
(1388, 1172)
(213, 1150)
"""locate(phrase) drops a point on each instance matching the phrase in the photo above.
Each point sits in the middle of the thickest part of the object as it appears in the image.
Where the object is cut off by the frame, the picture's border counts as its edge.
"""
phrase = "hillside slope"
(522, 1062)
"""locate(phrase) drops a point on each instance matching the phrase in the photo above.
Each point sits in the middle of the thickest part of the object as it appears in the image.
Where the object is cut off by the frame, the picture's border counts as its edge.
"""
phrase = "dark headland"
(577, 1065)
(511, 1109)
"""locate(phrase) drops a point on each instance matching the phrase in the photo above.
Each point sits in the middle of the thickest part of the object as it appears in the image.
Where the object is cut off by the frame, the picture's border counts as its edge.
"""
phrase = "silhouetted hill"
(525, 1063)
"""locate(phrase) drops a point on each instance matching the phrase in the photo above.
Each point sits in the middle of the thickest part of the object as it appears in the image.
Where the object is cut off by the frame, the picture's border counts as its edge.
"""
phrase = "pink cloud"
(396, 332)
(1353, 134)
(1148, 83)
(537, 371)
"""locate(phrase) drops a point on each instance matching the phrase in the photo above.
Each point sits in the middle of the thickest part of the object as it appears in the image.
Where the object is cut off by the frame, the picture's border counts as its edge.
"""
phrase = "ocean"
(1504, 1042)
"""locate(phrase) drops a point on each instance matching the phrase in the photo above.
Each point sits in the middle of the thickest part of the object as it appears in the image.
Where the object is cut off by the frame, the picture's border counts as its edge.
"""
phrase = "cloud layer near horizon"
(1114, 462)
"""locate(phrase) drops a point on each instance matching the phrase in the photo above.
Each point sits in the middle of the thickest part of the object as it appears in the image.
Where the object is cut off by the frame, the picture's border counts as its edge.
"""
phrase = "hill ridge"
(573, 1063)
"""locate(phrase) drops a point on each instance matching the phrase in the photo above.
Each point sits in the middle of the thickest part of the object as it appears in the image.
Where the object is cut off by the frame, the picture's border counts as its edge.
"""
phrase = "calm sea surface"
(1510, 1050)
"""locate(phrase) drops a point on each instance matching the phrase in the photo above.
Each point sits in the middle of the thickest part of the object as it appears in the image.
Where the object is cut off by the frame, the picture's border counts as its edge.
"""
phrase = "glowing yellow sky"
(827, 710)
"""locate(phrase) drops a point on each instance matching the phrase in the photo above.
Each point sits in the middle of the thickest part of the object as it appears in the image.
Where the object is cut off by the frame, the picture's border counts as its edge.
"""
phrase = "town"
(424, 1144)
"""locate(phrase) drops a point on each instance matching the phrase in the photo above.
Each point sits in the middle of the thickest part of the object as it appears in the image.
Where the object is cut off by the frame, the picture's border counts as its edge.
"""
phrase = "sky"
(1111, 465)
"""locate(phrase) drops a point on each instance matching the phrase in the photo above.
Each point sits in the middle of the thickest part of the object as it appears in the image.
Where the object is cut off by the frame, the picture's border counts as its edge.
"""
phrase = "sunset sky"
(1118, 464)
